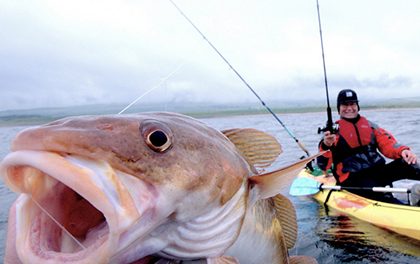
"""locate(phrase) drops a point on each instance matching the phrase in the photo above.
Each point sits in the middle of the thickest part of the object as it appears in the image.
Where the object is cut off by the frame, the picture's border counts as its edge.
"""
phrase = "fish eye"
(157, 136)
(158, 141)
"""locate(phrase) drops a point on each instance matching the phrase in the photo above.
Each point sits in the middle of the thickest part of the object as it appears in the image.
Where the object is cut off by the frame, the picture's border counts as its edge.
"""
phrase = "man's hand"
(329, 138)
(407, 156)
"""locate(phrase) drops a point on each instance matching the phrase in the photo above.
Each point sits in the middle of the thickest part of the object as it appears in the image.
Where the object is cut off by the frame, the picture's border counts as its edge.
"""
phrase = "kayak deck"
(402, 219)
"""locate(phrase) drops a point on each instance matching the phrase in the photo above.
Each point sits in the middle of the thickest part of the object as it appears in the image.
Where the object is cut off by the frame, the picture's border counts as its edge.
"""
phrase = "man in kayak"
(354, 157)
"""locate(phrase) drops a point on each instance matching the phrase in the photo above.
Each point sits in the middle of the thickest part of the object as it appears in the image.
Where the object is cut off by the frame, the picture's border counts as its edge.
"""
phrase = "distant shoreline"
(31, 117)
(287, 110)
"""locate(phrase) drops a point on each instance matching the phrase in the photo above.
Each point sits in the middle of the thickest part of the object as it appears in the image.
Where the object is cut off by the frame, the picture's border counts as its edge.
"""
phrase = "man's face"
(349, 110)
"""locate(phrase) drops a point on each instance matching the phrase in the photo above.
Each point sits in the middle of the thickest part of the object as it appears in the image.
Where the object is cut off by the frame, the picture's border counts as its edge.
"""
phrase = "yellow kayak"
(402, 219)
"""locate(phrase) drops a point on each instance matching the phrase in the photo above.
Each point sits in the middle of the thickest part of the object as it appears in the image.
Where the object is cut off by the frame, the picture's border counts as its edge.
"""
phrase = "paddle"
(306, 186)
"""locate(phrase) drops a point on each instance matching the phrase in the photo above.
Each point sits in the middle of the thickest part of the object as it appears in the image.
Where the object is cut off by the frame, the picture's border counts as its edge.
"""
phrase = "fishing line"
(58, 224)
(153, 88)
(242, 79)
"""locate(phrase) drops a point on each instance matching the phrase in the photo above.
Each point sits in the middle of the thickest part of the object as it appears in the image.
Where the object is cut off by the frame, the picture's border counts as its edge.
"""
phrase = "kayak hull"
(401, 219)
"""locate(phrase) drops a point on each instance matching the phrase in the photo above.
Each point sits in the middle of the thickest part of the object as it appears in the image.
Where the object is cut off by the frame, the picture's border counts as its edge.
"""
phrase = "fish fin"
(271, 183)
(286, 213)
(302, 260)
(258, 148)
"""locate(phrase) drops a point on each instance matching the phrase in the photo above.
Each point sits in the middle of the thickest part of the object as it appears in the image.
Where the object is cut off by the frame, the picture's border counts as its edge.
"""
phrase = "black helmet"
(347, 96)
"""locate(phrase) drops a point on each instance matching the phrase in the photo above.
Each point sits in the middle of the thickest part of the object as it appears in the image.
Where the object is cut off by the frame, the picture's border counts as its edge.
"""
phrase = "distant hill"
(409, 102)
(43, 115)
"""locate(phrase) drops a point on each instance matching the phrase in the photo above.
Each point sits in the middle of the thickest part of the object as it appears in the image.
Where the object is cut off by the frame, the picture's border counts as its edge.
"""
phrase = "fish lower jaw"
(45, 242)
(62, 216)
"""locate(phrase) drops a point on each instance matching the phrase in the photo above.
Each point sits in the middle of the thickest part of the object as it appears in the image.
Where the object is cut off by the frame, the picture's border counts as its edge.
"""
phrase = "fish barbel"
(147, 188)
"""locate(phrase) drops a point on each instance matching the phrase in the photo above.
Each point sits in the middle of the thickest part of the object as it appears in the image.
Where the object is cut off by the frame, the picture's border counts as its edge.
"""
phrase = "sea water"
(328, 236)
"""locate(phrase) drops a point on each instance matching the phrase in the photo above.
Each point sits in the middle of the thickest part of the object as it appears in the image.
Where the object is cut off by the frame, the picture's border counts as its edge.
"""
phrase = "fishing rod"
(330, 126)
(242, 79)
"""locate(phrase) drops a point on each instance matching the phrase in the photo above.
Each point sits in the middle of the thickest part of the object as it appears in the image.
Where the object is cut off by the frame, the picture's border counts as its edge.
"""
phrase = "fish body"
(146, 188)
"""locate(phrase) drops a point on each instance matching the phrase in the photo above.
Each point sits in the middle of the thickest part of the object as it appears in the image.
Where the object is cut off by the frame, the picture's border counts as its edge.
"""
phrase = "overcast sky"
(62, 53)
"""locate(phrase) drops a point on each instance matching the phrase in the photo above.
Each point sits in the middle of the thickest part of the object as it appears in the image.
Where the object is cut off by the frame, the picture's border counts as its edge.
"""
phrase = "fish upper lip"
(45, 169)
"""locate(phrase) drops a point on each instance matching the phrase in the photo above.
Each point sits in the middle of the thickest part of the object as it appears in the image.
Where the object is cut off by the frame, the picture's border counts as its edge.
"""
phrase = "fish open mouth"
(65, 222)
(69, 209)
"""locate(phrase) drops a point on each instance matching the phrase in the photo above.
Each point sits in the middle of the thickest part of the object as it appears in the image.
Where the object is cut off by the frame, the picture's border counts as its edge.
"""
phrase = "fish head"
(118, 188)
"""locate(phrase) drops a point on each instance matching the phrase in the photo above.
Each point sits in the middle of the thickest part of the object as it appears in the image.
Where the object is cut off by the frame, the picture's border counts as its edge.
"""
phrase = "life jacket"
(356, 148)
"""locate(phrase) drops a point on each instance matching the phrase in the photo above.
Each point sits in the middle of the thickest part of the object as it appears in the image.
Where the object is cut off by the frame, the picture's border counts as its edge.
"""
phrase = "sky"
(66, 53)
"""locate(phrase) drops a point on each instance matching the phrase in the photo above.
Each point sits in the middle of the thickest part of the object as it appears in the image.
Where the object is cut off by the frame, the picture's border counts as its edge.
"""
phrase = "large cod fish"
(147, 188)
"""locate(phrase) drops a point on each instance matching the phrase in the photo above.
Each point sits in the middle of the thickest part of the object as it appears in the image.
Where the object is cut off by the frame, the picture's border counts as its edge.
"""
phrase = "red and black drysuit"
(357, 161)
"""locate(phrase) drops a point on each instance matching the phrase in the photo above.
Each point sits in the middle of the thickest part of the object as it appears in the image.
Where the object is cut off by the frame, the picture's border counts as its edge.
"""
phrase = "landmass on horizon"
(196, 109)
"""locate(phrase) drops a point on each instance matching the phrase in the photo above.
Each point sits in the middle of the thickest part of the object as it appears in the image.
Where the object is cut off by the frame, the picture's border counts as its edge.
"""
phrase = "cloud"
(78, 52)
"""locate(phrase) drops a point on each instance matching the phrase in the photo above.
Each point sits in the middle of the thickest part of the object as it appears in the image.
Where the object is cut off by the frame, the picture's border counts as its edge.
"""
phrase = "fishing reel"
(333, 128)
